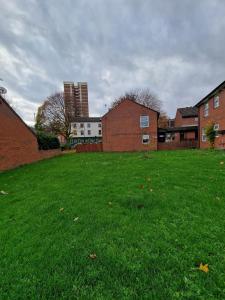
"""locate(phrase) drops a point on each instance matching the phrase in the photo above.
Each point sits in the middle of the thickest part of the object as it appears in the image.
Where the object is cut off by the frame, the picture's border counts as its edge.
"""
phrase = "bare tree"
(51, 116)
(141, 96)
(163, 120)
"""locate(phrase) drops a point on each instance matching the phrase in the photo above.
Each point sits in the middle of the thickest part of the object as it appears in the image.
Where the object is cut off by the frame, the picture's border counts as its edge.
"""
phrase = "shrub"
(47, 141)
(66, 146)
(210, 134)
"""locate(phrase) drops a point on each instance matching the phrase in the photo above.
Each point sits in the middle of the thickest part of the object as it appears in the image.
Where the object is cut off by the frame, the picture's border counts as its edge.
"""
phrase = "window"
(74, 125)
(99, 125)
(89, 125)
(203, 135)
(99, 132)
(145, 139)
(89, 132)
(81, 125)
(196, 119)
(216, 128)
(206, 109)
(144, 121)
(75, 132)
(81, 132)
(216, 101)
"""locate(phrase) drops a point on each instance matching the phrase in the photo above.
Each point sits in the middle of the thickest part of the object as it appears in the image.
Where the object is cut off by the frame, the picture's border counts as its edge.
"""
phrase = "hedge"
(47, 141)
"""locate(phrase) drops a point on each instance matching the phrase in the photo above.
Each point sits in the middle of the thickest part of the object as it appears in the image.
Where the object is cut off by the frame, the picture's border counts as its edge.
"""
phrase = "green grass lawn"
(151, 219)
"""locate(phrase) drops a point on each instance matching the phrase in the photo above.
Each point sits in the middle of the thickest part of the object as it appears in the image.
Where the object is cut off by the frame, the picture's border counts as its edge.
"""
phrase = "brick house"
(129, 126)
(18, 143)
(211, 109)
(187, 120)
(182, 131)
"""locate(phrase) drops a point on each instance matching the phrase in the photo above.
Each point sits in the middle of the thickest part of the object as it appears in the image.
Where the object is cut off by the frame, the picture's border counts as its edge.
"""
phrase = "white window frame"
(216, 128)
(145, 139)
(89, 132)
(216, 101)
(88, 125)
(206, 109)
(144, 121)
(204, 139)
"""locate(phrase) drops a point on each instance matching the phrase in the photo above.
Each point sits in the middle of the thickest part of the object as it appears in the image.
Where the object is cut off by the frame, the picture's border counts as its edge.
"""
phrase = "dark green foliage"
(151, 222)
(47, 141)
(210, 134)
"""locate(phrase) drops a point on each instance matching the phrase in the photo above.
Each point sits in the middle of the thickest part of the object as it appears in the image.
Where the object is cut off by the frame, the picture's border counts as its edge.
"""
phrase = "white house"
(86, 130)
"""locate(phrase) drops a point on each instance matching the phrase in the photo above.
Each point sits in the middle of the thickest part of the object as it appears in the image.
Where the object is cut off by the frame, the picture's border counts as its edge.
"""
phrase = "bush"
(210, 134)
(47, 141)
(66, 146)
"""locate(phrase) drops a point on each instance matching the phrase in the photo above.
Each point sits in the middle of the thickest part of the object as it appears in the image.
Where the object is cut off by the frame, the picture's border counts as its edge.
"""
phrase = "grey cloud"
(174, 47)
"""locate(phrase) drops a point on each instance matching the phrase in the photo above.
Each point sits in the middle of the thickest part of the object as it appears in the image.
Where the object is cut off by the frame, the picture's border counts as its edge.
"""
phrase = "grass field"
(150, 219)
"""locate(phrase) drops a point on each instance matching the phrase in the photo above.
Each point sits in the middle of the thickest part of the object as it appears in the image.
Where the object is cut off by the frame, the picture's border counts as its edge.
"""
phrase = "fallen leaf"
(61, 209)
(148, 179)
(110, 203)
(3, 193)
(204, 268)
(151, 190)
(93, 256)
(76, 219)
(141, 186)
(222, 162)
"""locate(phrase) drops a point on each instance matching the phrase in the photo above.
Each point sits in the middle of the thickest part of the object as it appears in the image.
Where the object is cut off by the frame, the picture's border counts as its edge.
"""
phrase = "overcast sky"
(174, 47)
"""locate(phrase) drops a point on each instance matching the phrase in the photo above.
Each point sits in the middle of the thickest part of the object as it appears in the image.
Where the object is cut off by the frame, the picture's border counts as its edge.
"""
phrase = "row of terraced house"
(133, 127)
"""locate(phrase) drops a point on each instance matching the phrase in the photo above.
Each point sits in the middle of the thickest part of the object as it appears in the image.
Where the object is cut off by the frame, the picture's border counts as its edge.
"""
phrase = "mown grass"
(151, 219)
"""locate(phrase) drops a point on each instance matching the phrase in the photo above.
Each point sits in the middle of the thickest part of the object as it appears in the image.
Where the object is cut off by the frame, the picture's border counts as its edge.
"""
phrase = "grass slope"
(167, 215)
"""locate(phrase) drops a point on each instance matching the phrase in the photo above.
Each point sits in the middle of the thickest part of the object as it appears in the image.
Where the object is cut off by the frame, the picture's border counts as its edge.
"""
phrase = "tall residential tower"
(76, 99)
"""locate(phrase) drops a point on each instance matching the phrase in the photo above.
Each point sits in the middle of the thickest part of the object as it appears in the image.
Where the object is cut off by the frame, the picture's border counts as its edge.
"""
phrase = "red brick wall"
(121, 128)
(217, 116)
(18, 145)
(178, 145)
(179, 121)
(89, 148)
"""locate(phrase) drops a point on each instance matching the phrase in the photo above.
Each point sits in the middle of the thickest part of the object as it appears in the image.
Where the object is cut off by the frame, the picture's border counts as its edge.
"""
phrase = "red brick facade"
(216, 115)
(121, 129)
(180, 121)
(18, 144)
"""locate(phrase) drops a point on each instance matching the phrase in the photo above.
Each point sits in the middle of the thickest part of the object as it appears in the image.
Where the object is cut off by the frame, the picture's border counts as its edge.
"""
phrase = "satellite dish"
(2, 90)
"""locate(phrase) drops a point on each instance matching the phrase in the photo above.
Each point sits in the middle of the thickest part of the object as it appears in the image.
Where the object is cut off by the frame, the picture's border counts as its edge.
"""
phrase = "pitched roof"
(86, 119)
(127, 99)
(188, 112)
(7, 104)
(212, 93)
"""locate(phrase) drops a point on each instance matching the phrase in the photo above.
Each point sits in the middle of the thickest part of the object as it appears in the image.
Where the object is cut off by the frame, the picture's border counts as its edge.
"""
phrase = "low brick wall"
(178, 145)
(89, 148)
(16, 158)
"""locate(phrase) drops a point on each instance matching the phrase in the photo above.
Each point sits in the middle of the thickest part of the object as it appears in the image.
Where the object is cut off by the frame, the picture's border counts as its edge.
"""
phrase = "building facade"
(211, 110)
(18, 143)
(76, 99)
(86, 130)
(182, 132)
(130, 127)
